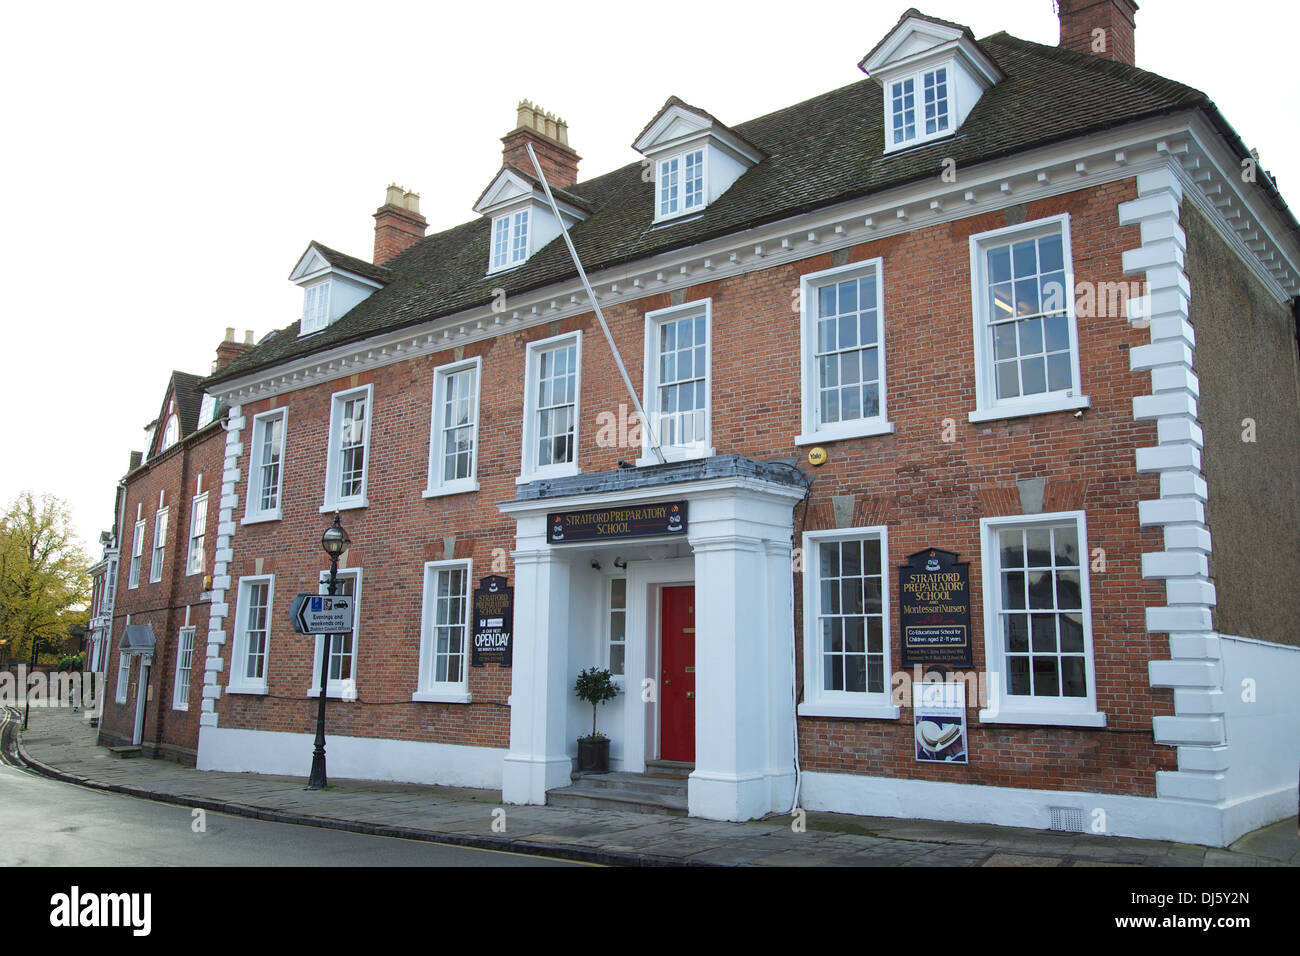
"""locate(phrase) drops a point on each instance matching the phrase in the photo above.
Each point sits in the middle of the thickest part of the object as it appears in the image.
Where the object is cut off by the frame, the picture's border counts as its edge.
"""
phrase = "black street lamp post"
(335, 541)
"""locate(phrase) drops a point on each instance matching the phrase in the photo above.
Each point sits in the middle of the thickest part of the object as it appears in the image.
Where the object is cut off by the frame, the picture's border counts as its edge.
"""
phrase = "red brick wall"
(162, 604)
(933, 492)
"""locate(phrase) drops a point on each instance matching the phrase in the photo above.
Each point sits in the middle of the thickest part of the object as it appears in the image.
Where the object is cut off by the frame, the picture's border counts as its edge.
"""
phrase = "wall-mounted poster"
(939, 722)
(934, 609)
(494, 616)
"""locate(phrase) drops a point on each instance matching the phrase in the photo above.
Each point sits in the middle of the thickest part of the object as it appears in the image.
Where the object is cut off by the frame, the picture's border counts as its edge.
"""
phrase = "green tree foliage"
(44, 586)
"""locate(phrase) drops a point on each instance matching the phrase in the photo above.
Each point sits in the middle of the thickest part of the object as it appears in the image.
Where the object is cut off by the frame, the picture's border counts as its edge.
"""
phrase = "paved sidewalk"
(61, 744)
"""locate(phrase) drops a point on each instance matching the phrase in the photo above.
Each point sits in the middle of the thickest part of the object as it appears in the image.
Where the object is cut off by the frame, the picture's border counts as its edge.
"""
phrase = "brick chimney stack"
(229, 349)
(398, 223)
(550, 138)
(1101, 27)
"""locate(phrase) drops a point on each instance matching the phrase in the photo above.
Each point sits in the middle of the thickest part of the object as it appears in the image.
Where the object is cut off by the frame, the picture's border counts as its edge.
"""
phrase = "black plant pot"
(593, 754)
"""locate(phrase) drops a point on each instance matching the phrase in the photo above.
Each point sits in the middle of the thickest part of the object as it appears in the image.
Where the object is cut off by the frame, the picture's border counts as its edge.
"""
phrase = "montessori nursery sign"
(494, 614)
(934, 609)
(633, 521)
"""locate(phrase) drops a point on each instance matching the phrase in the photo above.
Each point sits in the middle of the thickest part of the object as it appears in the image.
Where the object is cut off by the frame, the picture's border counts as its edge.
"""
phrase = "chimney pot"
(398, 223)
(229, 349)
(549, 136)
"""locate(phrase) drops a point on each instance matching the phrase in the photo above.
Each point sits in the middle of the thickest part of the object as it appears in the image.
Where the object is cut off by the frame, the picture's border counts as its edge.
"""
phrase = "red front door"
(677, 680)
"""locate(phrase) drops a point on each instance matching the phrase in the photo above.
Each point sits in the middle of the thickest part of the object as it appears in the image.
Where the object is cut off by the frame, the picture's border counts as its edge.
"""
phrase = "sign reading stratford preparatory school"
(632, 521)
(934, 609)
(494, 615)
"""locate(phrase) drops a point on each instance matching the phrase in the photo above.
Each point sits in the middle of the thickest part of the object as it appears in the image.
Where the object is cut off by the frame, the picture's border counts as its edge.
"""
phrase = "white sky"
(165, 164)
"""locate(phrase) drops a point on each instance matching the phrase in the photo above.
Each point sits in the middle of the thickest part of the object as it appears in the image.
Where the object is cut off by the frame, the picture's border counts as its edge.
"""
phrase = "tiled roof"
(342, 260)
(823, 151)
(188, 393)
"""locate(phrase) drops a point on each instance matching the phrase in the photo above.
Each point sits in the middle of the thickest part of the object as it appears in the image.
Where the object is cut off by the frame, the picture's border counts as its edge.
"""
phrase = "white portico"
(731, 571)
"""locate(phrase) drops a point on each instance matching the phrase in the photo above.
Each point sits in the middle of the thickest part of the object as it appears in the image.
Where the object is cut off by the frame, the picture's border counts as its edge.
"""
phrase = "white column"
(744, 719)
(538, 759)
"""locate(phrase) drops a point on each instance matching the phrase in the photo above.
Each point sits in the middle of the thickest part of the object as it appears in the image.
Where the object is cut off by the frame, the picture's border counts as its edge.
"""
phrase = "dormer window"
(695, 158)
(932, 73)
(681, 184)
(509, 239)
(332, 283)
(522, 219)
(933, 85)
(315, 307)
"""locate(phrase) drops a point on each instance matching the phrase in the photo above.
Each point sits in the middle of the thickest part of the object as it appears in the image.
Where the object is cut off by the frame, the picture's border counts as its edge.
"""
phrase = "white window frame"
(680, 208)
(1004, 708)
(429, 690)
(137, 555)
(987, 406)
(171, 432)
(529, 470)
(818, 702)
(253, 510)
(607, 623)
(320, 316)
(333, 465)
(198, 515)
(813, 431)
(181, 696)
(238, 683)
(437, 485)
(123, 675)
(653, 321)
(510, 222)
(918, 87)
(338, 689)
(158, 553)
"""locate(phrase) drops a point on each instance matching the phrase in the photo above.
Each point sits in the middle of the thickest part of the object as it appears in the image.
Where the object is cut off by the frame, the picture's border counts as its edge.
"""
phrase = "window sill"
(865, 710)
(864, 428)
(260, 518)
(1039, 406)
(442, 697)
(186, 707)
(462, 487)
(260, 691)
(674, 455)
(332, 506)
(547, 475)
(334, 694)
(918, 141)
(1046, 718)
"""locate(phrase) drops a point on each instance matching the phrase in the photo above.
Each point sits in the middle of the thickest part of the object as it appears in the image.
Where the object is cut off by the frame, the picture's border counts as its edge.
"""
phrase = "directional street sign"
(321, 614)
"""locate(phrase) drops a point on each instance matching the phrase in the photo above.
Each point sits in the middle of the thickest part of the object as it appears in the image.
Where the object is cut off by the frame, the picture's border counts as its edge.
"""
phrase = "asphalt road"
(47, 822)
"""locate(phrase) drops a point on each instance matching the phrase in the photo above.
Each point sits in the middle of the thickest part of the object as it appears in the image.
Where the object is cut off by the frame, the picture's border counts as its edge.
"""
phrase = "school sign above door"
(934, 609)
(607, 524)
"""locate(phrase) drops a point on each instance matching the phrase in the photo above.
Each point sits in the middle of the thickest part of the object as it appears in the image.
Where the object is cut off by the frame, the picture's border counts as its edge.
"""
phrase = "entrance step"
(645, 793)
(124, 752)
(680, 769)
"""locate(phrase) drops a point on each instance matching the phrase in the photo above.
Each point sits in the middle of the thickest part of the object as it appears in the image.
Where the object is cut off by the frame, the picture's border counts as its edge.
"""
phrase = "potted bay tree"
(595, 686)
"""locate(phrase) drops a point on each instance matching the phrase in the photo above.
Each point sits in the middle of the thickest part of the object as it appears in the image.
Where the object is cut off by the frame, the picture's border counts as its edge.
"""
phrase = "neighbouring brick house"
(1005, 329)
(158, 622)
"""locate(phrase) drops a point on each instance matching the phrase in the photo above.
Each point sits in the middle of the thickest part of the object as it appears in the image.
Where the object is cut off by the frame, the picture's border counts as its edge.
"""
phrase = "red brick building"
(168, 505)
(964, 366)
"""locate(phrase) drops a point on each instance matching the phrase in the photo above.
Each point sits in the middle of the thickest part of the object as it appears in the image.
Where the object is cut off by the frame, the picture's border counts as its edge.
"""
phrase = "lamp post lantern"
(335, 541)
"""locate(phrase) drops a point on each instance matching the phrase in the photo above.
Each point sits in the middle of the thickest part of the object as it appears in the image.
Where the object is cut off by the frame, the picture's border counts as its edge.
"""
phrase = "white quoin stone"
(1188, 730)
(1184, 673)
(1190, 785)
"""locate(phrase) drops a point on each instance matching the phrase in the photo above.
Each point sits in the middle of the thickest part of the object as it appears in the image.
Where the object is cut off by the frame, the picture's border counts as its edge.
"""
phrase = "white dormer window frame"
(920, 106)
(315, 306)
(931, 74)
(681, 182)
(511, 239)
